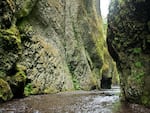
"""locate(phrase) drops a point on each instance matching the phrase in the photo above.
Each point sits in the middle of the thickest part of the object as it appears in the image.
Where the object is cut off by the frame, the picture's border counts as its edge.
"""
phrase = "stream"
(104, 101)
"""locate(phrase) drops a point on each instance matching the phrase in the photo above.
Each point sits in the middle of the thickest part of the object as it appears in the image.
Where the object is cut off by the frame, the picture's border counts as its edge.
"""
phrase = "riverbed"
(104, 101)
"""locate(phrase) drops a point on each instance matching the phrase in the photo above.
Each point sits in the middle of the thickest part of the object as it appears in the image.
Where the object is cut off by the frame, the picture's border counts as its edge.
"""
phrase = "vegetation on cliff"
(49, 46)
(128, 43)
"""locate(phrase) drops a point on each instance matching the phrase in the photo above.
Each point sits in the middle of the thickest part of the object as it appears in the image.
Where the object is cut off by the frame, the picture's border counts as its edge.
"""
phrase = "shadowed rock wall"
(128, 41)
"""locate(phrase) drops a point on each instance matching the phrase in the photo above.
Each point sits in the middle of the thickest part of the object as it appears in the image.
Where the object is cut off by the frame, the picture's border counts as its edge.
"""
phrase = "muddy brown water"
(104, 101)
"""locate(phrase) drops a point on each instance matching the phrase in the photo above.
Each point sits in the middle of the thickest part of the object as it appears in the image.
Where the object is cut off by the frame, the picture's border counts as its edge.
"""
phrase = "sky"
(104, 7)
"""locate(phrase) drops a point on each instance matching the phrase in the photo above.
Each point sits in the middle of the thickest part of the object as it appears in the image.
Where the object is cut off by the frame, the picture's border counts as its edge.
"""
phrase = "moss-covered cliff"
(48, 46)
(129, 44)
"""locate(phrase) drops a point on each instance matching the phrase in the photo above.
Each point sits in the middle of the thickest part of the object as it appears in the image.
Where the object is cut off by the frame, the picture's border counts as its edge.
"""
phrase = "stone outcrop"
(128, 41)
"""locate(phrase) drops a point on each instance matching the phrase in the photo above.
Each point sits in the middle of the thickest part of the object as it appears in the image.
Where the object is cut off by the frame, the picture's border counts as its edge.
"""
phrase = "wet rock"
(128, 43)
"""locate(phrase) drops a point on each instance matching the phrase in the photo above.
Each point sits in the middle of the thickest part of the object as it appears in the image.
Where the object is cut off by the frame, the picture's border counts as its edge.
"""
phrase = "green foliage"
(121, 1)
(2, 74)
(137, 50)
(11, 37)
(138, 64)
(19, 77)
(28, 89)
(76, 83)
(5, 91)
(31, 89)
(145, 99)
(25, 7)
(26, 30)
(139, 77)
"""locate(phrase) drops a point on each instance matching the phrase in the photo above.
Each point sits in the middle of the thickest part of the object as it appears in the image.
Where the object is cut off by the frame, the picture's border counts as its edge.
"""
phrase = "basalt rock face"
(128, 41)
(49, 46)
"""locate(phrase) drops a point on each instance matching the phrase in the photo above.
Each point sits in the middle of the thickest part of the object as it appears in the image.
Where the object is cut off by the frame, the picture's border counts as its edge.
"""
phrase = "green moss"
(138, 64)
(140, 76)
(25, 29)
(26, 7)
(13, 32)
(12, 37)
(50, 90)
(121, 1)
(20, 76)
(76, 83)
(24, 26)
(132, 53)
(105, 68)
(137, 50)
(2, 74)
(29, 89)
(5, 91)
(145, 99)
(100, 43)
(20, 67)
(17, 80)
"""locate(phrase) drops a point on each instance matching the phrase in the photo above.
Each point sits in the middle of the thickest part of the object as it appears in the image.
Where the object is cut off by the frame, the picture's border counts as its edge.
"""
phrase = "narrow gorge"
(57, 46)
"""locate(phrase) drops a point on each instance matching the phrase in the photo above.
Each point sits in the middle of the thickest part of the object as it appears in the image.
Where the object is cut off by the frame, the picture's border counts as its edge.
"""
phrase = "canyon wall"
(48, 46)
(128, 41)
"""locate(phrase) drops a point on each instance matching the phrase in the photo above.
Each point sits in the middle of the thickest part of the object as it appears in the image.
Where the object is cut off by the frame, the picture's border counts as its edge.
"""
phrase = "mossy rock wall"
(128, 41)
(48, 46)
